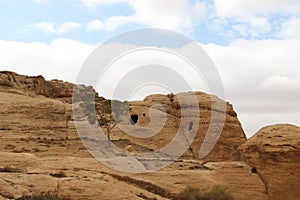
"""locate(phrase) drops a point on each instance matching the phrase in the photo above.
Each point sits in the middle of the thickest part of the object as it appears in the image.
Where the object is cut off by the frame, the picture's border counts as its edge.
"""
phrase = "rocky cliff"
(40, 149)
(33, 89)
(274, 153)
(54, 89)
(231, 132)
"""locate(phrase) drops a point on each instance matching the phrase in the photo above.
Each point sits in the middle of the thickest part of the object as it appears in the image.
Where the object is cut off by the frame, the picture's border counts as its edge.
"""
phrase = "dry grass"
(42, 196)
(216, 193)
(194, 167)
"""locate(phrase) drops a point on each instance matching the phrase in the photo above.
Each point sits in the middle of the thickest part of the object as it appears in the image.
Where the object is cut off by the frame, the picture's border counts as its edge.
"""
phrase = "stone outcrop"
(176, 111)
(22, 111)
(40, 149)
(231, 137)
(274, 153)
(38, 85)
(86, 178)
(39, 153)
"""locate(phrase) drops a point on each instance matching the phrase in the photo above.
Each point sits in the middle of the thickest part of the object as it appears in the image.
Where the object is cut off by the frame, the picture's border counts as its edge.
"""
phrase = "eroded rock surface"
(38, 85)
(40, 149)
(275, 153)
(180, 116)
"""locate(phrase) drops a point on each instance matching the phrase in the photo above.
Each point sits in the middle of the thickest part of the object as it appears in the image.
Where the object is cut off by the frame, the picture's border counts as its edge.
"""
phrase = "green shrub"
(219, 193)
(42, 196)
(216, 193)
(190, 193)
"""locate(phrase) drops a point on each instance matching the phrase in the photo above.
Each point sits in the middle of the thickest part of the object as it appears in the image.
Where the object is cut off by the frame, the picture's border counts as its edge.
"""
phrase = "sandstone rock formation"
(40, 149)
(27, 112)
(37, 84)
(86, 178)
(231, 137)
(275, 154)
(38, 153)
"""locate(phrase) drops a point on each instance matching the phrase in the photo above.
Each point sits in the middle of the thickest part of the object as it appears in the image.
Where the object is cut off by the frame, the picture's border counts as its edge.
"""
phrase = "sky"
(254, 44)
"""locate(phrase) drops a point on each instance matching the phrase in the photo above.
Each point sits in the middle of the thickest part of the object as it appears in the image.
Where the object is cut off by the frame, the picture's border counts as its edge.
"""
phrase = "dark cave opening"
(134, 119)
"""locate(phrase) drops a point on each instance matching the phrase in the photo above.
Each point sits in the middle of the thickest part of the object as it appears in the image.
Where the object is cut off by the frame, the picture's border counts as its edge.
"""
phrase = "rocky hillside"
(274, 152)
(54, 89)
(182, 114)
(40, 149)
(232, 134)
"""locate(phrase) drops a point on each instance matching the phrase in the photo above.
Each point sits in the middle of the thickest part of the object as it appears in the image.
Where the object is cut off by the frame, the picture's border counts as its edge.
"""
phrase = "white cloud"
(178, 15)
(250, 8)
(255, 18)
(259, 25)
(48, 27)
(44, 26)
(61, 59)
(95, 25)
(254, 28)
(261, 79)
(230, 18)
(251, 62)
(169, 14)
(109, 24)
(255, 121)
(281, 84)
(67, 27)
(241, 29)
(112, 23)
(290, 28)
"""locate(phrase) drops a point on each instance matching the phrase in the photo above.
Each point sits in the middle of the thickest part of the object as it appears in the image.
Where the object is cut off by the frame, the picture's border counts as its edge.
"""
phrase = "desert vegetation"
(216, 193)
(106, 112)
(50, 195)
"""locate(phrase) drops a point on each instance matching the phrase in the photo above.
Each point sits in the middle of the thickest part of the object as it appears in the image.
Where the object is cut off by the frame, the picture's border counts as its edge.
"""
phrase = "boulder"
(274, 153)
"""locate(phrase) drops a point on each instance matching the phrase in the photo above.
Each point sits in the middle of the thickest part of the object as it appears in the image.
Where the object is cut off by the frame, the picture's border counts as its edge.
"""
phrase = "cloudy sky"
(254, 44)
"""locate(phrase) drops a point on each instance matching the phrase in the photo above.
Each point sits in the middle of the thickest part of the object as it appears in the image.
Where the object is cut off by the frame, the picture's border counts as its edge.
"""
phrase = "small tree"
(171, 97)
(105, 116)
(108, 113)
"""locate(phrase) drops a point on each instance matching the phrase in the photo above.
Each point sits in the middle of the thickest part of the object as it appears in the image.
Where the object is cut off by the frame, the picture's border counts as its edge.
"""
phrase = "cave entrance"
(134, 119)
(191, 126)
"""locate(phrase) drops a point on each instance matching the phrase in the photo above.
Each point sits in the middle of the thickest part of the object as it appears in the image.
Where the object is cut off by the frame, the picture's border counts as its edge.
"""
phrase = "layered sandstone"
(274, 152)
(40, 149)
(38, 85)
(225, 127)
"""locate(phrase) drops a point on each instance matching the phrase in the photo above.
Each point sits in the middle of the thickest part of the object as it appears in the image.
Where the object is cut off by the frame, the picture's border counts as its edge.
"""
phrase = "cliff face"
(40, 150)
(28, 112)
(38, 140)
(182, 114)
(275, 153)
(54, 89)
(231, 137)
